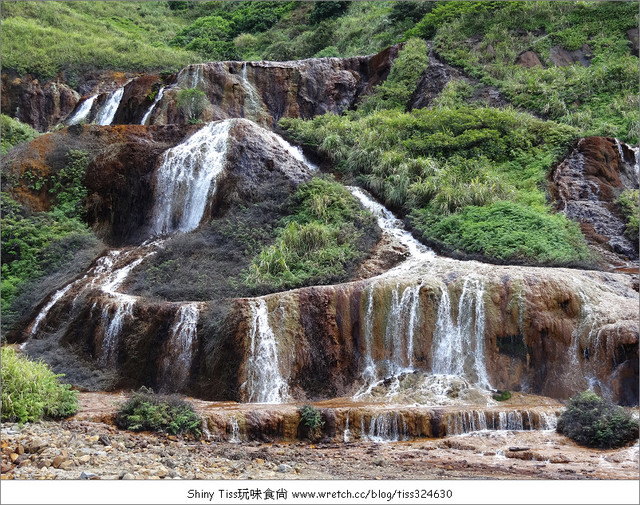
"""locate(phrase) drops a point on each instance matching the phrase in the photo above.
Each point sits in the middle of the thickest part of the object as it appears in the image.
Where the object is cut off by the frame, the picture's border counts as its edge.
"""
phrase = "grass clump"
(31, 391)
(14, 132)
(325, 234)
(311, 421)
(147, 411)
(593, 422)
(628, 202)
(501, 396)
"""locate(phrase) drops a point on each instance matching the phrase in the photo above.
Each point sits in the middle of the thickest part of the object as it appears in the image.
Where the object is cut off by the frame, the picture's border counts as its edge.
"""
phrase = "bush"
(628, 202)
(326, 234)
(593, 422)
(191, 102)
(31, 391)
(146, 411)
(501, 396)
(327, 10)
(13, 132)
(311, 421)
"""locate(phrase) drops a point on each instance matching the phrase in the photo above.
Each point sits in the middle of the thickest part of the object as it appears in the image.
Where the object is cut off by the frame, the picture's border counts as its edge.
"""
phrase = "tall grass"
(31, 391)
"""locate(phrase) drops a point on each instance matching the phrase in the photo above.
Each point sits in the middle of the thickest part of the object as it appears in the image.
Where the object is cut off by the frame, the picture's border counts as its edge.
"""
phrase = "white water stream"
(180, 348)
(83, 111)
(109, 109)
(153, 106)
(186, 179)
(265, 383)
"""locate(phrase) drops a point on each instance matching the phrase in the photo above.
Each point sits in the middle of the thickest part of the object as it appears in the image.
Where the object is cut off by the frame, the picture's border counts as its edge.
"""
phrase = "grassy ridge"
(48, 37)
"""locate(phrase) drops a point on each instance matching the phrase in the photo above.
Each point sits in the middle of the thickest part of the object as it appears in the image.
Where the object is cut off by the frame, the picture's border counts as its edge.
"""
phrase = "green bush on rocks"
(593, 422)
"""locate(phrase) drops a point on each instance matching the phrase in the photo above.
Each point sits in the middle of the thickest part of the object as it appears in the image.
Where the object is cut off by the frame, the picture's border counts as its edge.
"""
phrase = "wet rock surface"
(75, 449)
(586, 186)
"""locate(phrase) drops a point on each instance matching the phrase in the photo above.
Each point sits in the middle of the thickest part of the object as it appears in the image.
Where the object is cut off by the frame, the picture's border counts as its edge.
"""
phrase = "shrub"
(628, 202)
(501, 396)
(593, 422)
(191, 102)
(31, 391)
(146, 411)
(13, 132)
(311, 421)
(327, 10)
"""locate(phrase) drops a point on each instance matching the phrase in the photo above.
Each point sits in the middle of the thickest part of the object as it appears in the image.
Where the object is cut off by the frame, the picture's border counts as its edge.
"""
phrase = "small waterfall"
(294, 151)
(121, 307)
(190, 77)
(458, 349)
(252, 103)
(185, 181)
(153, 106)
(392, 226)
(180, 347)
(549, 421)
(83, 111)
(511, 421)
(234, 431)
(265, 383)
(468, 421)
(387, 427)
(45, 310)
(108, 111)
(347, 432)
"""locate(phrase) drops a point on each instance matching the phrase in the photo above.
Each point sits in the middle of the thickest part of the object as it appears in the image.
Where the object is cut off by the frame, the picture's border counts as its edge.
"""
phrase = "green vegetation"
(191, 102)
(39, 243)
(31, 391)
(46, 38)
(147, 411)
(311, 421)
(501, 396)
(451, 170)
(486, 38)
(13, 132)
(317, 242)
(593, 422)
(628, 202)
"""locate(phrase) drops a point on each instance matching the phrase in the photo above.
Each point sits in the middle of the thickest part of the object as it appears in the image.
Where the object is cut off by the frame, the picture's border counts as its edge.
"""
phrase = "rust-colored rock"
(529, 59)
(585, 187)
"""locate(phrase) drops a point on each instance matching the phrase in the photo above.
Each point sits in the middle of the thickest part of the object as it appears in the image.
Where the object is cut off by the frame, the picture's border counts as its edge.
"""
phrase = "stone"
(84, 459)
(93, 439)
(104, 439)
(162, 471)
(126, 476)
(632, 35)
(284, 468)
(14, 456)
(529, 59)
(36, 445)
(67, 465)
(58, 460)
(85, 475)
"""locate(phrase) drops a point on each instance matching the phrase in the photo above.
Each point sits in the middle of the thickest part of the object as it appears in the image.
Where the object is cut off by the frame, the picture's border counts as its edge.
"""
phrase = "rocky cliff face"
(586, 186)
(261, 91)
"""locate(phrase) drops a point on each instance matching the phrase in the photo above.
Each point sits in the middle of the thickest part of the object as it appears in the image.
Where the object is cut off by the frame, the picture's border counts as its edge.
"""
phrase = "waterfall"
(458, 349)
(387, 427)
(153, 106)
(190, 77)
(180, 347)
(186, 179)
(45, 310)
(83, 111)
(253, 104)
(347, 432)
(234, 431)
(392, 226)
(294, 151)
(636, 154)
(109, 109)
(122, 307)
(265, 383)
(468, 421)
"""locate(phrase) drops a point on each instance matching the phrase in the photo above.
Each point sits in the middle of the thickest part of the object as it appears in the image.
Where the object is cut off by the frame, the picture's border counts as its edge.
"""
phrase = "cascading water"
(458, 348)
(108, 111)
(265, 383)
(393, 227)
(186, 179)
(153, 106)
(82, 113)
(180, 348)
(45, 310)
(234, 431)
(190, 77)
(386, 427)
(252, 103)
(113, 316)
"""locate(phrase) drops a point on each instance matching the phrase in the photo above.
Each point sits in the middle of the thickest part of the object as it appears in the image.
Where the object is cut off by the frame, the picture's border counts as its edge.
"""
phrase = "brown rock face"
(40, 105)
(586, 186)
(560, 57)
(266, 91)
(529, 59)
